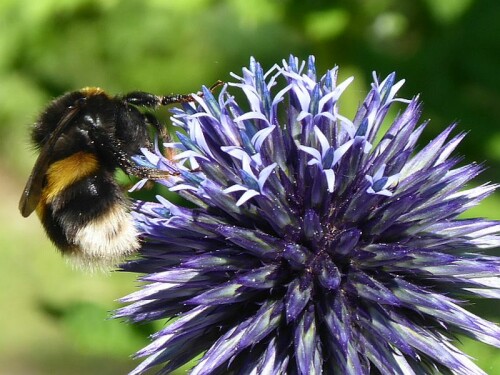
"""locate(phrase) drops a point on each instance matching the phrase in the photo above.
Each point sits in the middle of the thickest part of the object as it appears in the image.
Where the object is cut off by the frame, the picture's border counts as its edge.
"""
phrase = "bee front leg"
(112, 146)
(145, 99)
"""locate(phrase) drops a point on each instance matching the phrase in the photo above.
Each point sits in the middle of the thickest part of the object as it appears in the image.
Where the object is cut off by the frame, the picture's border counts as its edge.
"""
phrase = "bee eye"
(80, 102)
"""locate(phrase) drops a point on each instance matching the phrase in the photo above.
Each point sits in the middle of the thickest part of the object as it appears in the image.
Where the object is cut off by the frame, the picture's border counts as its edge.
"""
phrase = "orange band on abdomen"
(65, 172)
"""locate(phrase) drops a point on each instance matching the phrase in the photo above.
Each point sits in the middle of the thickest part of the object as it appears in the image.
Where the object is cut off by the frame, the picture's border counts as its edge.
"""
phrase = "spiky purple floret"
(317, 243)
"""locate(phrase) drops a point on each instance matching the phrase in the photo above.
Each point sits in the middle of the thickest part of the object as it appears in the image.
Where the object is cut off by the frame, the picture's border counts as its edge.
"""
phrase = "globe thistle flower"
(313, 243)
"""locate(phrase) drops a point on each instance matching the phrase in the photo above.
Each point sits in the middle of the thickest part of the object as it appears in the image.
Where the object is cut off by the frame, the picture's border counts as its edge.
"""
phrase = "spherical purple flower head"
(317, 243)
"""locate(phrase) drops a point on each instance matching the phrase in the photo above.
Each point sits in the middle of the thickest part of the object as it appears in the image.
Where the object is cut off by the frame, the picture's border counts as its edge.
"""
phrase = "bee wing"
(33, 189)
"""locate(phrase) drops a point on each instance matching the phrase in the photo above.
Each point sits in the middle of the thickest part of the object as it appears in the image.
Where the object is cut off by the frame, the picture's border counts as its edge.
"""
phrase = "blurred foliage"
(52, 320)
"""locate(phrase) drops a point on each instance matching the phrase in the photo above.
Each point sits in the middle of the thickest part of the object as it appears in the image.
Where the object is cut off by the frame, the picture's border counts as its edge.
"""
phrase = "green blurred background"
(53, 320)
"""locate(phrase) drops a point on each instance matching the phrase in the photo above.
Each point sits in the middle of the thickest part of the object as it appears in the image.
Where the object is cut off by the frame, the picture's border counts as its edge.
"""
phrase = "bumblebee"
(83, 137)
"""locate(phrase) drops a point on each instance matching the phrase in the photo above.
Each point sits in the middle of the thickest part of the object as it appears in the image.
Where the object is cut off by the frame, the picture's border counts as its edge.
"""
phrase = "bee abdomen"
(65, 172)
(89, 219)
(106, 239)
